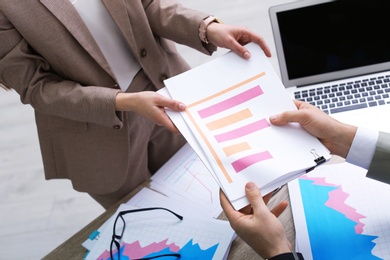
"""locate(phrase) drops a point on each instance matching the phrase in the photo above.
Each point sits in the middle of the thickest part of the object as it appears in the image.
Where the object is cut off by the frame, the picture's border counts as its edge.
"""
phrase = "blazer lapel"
(70, 18)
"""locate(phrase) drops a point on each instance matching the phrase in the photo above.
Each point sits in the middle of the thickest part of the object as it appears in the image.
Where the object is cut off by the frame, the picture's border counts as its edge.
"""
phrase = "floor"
(38, 215)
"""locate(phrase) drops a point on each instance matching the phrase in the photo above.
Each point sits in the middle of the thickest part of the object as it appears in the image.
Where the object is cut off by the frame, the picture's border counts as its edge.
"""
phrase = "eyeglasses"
(116, 238)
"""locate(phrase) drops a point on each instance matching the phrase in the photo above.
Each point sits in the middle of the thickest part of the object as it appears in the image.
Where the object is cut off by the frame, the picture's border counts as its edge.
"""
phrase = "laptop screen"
(331, 39)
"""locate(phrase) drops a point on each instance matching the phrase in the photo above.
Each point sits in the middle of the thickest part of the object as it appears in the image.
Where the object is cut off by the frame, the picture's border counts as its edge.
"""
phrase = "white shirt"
(110, 40)
(363, 147)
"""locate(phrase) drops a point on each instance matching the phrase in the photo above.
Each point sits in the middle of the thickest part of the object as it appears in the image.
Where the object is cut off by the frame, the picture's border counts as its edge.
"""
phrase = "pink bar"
(249, 160)
(231, 102)
(242, 131)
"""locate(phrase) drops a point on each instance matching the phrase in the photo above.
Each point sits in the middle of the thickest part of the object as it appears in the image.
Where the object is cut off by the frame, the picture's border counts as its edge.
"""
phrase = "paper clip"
(318, 159)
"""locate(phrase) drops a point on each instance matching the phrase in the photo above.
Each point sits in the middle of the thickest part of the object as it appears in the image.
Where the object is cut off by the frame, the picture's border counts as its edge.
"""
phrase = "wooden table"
(73, 249)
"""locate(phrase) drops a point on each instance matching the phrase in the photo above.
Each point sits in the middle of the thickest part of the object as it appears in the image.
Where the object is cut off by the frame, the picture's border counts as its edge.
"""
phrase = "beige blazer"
(50, 58)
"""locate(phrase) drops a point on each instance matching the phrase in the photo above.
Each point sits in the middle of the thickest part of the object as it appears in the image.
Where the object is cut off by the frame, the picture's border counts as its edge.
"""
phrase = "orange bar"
(236, 148)
(208, 144)
(229, 120)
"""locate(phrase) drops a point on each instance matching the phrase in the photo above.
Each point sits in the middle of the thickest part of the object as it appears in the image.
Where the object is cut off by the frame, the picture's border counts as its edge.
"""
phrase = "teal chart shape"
(189, 251)
(335, 230)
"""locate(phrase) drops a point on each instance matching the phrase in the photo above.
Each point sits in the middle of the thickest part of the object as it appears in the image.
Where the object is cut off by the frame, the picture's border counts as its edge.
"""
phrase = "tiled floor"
(37, 215)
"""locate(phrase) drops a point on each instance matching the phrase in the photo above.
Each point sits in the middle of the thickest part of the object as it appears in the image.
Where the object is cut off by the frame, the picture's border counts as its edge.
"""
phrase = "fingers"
(245, 36)
(240, 50)
(294, 116)
(264, 46)
(279, 209)
(267, 197)
(230, 212)
(243, 52)
(172, 104)
(286, 117)
(162, 119)
(297, 103)
(234, 37)
(254, 196)
(256, 203)
(159, 116)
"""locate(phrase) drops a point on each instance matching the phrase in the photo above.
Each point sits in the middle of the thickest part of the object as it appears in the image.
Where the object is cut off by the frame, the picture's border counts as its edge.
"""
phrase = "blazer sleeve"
(380, 165)
(29, 74)
(170, 20)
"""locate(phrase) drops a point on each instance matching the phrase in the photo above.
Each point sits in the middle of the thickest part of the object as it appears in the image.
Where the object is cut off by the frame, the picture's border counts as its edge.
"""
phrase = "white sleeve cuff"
(363, 147)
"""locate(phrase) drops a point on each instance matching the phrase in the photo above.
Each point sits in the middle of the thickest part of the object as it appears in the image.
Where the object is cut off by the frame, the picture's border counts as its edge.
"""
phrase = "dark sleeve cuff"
(287, 256)
(380, 163)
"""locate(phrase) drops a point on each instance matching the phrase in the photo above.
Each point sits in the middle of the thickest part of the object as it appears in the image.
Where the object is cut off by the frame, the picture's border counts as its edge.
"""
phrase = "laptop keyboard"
(348, 96)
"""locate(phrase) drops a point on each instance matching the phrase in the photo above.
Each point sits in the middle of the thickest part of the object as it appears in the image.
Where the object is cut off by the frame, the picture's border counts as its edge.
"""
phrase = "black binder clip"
(317, 159)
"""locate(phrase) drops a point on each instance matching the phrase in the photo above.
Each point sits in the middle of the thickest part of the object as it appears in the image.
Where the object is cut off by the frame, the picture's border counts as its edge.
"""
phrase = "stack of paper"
(229, 101)
(184, 186)
(158, 232)
(186, 178)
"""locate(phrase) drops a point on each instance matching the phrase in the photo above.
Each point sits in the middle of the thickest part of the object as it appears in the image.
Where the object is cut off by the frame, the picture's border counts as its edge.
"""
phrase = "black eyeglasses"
(116, 238)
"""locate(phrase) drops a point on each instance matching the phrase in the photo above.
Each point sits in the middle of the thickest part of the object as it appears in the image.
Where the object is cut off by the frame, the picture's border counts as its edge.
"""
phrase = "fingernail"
(247, 55)
(250, 186)
(273, 118)
(182, 106)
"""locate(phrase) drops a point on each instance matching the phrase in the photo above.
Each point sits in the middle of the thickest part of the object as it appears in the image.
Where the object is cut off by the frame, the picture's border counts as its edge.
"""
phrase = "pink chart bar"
(249, 160)
(242, 131)
(231, 102)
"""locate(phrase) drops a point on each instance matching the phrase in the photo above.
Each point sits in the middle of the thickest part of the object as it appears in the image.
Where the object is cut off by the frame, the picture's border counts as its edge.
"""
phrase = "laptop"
(336, 56)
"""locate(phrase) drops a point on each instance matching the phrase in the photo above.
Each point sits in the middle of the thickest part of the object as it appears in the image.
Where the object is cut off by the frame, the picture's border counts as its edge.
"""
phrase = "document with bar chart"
(229, 101)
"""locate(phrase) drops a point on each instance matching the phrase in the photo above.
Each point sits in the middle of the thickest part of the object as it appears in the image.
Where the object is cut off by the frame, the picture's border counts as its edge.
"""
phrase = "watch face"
(218, 20)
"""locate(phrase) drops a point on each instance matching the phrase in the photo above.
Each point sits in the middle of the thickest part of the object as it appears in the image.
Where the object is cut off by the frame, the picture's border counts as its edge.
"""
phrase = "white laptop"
(336, 55)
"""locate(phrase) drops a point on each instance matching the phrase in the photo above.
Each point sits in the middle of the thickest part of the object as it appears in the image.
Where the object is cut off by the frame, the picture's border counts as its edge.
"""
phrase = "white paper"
(150, 231)
(355, 206)
(229, 101)
(187, 176)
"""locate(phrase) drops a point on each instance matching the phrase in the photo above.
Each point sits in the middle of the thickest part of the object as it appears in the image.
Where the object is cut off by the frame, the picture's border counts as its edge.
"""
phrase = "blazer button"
(163, 77)
(116, 127)
(143, 53)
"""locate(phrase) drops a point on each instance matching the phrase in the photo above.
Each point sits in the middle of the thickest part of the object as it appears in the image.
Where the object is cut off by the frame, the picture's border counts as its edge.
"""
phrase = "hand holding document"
(229, 101)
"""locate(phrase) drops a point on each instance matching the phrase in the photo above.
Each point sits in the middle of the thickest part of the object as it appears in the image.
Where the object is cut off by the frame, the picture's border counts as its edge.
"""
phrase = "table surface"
(73, 249)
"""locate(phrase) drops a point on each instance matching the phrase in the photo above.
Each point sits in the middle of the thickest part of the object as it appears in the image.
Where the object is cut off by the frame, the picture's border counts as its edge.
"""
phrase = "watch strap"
(203, 27)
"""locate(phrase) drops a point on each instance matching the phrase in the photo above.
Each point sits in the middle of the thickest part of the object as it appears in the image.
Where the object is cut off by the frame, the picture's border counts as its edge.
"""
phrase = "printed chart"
(228, 104)
(347, 215)
(186, 175)
(148, 234)
(136, 251)
(226, 125)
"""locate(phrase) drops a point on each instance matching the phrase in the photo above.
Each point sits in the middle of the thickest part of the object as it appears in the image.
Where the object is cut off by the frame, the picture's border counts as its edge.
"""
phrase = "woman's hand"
(150, 105)
(234, 37)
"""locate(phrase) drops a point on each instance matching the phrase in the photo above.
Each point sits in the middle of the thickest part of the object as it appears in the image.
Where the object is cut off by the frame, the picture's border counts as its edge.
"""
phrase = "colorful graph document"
(149, 234)
(187, 176)
(229, 101)
(341, 214)
(184, 186)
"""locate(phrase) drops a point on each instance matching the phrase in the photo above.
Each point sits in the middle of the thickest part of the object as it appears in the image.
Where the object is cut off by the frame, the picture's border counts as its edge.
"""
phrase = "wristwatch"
(203, 27)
